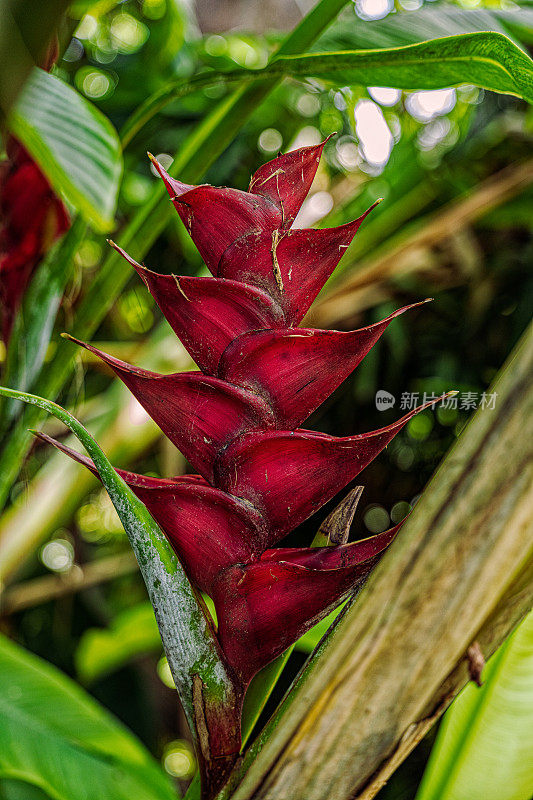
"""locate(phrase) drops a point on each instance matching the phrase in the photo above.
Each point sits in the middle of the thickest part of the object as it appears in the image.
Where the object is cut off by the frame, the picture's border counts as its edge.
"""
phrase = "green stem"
(210, 697)
(34, 321)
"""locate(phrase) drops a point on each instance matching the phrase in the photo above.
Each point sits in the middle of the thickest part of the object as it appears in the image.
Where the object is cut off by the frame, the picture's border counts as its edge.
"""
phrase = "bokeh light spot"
(375, 138)
(425, 106)
(216, 45)
(384, 95)
(399, 511)
(165, 159)
(373, 9)
(308, 105)
(179, 760)
(376, 519)
(96, 84)
(58, 555)
(87, 27)
(129, 33)
(270, 140)
(164, 673)
(419, 427)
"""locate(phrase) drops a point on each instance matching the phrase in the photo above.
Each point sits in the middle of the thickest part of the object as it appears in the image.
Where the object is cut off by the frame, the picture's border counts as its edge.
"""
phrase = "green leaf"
(484, 749)
(489, 60)
(74, 144)
(57, 738)
(190, 644)
(102, 650)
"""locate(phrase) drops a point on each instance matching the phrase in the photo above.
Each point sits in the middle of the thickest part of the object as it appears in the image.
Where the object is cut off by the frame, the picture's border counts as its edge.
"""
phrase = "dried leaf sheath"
(237, 419)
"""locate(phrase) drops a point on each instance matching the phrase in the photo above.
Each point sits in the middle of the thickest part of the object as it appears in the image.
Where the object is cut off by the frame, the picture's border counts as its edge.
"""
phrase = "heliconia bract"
(237, 419)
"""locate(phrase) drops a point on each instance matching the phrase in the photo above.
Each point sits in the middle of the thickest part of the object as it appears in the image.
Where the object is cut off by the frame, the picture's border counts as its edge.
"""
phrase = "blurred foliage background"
(455, 172)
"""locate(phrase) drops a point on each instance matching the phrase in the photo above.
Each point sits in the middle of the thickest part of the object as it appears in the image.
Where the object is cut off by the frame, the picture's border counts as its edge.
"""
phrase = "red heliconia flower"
(237, 419)
(32, 218)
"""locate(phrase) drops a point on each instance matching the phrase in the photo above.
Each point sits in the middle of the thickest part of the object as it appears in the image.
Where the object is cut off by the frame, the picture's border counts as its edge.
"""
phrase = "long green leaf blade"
(428, 22)
(74, 144)
(490, 60)
(35, 319)
(487, 59)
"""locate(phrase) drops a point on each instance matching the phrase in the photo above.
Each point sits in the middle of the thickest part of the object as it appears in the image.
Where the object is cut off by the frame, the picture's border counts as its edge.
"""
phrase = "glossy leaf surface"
(74, 144)
(72, 746)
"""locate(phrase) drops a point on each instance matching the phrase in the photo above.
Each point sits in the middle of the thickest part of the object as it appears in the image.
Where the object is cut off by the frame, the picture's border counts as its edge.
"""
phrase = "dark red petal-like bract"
(200, 414)
(278, 261)
(263, 607)
(207, 314)
(289, 475)
(209, 529)
(286, 180)
(298, 368)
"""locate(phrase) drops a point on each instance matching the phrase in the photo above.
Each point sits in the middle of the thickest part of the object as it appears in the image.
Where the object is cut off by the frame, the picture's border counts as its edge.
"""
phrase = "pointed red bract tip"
(173, 186)
(286, 180)
(124, 254)
(207, 314)
(335, 556)
(298, 368)
(217, 217)
(278, 261)
(199, 414)
(289, 475)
